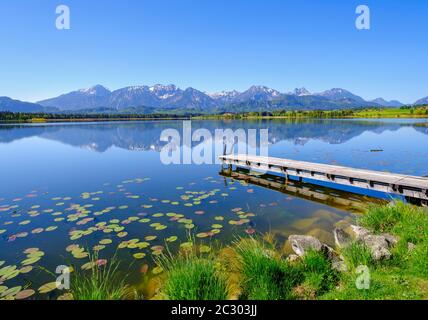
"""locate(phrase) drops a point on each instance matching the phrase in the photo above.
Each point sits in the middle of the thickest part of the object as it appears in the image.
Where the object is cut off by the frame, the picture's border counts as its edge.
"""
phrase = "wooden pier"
(414, 188)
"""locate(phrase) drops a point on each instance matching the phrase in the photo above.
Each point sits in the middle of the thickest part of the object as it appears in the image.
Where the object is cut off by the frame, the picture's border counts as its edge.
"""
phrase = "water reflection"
(144, 136)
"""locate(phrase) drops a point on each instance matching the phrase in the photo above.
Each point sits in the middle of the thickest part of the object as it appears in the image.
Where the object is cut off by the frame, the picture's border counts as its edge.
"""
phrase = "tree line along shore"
(403, 112)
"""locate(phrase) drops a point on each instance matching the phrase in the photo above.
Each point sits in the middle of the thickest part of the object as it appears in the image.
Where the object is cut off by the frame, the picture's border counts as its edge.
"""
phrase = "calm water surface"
(68, 189)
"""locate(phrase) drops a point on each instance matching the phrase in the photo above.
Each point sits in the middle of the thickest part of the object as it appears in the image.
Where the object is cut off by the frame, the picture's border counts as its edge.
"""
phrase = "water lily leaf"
(72, 247)
(48, 287)
(202, 235)
(140, 255)
(157, 270)
(132, 245)
(216, 226)
(11, 291)
(65, 296)
(122, 234)
(29, 261)
(31, 250)
(189, 226)
(80, 255)
(158, 215)
(186, 245)
(106, 241)
(52, 228)
(204, 249)
(36, 254)
(8, 272)
(143, 245)
(88, 265)
(25, 294)
(150, 238)
(123, 245)
(219, 218)
(154, 225)
(98, 247)
(26, 269)
(172, 239)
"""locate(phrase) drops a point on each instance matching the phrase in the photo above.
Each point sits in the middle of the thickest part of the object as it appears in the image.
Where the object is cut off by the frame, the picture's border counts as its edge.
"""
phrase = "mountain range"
(148, 99)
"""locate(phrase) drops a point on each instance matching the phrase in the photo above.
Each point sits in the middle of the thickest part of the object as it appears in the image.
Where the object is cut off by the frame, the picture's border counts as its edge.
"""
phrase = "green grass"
(385, 284)
(265, 275)
(356, 254)
(191, 277)
(408, 222)
(418, 262)
(405, 276)
(100, 282)
(318, 273)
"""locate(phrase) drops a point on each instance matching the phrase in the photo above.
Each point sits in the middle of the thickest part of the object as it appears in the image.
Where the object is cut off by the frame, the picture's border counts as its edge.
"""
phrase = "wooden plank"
(406, 185)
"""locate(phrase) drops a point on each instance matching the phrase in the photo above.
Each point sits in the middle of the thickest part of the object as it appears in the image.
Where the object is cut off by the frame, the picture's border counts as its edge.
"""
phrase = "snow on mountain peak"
(300, 92)
(97, 89)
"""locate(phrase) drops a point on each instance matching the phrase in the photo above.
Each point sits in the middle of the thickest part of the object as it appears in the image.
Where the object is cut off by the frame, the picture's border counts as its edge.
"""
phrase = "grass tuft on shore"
(318, 273)
(192, 277)
(266, 276)
(357, 254)
(101, 282)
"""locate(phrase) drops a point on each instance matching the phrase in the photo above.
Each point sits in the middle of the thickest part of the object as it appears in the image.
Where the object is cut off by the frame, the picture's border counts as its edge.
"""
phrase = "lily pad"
(48, 287)
(202, 235)
(105, 241)
(26, 269)
(204, 249)
(172, 239)
(24, 294)
(140, 255)
(29, 261)
(157, 270)
(11, 291)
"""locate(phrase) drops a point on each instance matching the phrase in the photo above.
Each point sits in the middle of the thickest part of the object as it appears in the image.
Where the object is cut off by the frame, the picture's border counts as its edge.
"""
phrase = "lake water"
(67, 189)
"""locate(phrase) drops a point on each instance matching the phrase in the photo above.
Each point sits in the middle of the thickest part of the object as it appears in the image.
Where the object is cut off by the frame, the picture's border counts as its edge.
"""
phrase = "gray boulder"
(359, 232)
(378, 246)
(341, 238)
(339, 265)
(302, 244)
(411, 246)
(392, 240)
(293, 258)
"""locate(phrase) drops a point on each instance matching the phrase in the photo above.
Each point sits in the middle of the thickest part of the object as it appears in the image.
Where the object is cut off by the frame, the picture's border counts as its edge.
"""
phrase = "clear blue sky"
(215, 45)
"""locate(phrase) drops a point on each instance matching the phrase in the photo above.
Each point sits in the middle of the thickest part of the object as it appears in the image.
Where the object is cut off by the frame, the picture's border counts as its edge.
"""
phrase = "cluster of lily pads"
(95, 215)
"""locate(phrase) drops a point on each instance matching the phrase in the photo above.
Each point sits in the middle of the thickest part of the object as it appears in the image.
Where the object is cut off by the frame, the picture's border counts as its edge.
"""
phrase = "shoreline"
(133, 119)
